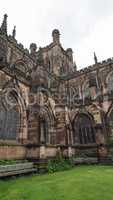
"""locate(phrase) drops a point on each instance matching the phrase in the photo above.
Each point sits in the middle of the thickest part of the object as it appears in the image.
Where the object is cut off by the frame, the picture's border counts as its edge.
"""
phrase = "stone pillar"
(33, 129)
(98, 117)
(42, 136)
(61, 130)
(70, 153)
(100, 140)
(25, 128)
(43, 152)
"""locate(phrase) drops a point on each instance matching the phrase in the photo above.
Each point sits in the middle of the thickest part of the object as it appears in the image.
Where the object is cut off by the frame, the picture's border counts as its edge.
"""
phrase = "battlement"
(99, 64)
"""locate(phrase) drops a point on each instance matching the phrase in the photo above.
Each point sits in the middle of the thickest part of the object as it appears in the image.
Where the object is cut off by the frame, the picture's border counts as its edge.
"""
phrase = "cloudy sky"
(85, 25)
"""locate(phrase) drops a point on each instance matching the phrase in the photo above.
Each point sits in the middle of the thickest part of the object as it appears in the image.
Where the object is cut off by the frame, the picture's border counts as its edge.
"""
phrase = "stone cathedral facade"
(47, 105)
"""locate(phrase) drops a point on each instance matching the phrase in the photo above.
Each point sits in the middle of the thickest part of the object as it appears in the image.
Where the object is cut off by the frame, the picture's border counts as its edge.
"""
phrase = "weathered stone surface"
(57, 104)
(12, 152)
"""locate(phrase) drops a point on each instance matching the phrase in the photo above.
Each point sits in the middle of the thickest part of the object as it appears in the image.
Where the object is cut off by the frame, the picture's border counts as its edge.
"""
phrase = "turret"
(14, 32)
(69, 53)
(56, 36)
(3, 28)
(95, 58)
(33, 48)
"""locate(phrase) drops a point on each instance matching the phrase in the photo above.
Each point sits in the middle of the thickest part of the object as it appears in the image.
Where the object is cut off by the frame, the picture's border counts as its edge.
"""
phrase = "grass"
(79, 183)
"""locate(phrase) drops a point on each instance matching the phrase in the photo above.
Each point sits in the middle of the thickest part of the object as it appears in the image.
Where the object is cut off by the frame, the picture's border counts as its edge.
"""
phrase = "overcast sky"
(85, 25)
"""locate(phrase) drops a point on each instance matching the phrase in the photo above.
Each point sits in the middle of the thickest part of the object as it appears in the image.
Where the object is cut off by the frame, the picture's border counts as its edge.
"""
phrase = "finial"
(14, 32)
(95, 58)
(74, 66)
(33, 48)
(56, 36)
(69, 52)
(4, 25)
(40, 57)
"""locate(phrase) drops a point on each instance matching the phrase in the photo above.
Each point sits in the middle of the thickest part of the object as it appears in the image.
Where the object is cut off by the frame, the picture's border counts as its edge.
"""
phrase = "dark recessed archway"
(83, 129)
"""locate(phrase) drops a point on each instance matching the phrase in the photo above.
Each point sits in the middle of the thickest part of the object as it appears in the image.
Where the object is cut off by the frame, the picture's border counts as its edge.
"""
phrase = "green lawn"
(80, 183)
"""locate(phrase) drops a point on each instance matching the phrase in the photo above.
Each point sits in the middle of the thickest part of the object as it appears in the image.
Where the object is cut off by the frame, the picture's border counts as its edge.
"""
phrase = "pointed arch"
(46, 122)
(83, 128)
(109, 81)
(10, 118)
(13, 111)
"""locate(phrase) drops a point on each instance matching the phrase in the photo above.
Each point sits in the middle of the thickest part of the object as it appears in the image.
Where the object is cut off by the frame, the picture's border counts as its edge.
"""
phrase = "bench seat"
(16, 169)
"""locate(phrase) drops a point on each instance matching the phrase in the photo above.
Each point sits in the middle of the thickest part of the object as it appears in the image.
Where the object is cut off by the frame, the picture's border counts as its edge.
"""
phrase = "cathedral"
(47, 105)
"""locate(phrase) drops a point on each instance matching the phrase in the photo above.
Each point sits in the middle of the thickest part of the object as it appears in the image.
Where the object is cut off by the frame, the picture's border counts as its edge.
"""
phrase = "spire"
(4, 25)
(95, 58)
(14, 32)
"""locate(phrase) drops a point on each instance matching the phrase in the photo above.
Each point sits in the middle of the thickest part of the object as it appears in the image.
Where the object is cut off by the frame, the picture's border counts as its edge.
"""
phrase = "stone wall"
(65, 94)
(12, 152)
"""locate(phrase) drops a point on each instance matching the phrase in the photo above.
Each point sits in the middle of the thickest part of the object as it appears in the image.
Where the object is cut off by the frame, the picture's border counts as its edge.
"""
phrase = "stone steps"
(41, 165)
(106, 160)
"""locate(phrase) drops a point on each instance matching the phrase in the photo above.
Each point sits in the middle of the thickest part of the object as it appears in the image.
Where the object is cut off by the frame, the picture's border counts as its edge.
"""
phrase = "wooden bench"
(16, 169)
(87, 160)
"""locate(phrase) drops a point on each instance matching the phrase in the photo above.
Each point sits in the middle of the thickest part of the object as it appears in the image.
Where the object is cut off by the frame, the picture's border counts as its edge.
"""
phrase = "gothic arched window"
(9, 118)
(110, 83)
(74, 94)
(83, 130)
(109, 121)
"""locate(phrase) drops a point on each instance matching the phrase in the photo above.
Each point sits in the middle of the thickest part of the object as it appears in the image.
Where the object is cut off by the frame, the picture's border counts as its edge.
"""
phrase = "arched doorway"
(83, 129)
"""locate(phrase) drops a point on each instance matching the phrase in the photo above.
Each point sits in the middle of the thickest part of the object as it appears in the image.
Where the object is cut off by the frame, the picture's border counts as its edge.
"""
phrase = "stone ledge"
(9, 143)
